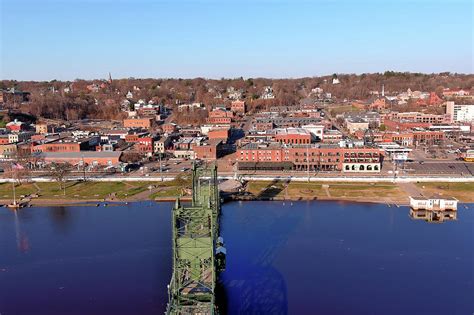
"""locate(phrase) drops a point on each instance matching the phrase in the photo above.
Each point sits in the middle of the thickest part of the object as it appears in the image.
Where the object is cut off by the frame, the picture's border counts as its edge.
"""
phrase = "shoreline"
(94, 194)
(101, 202)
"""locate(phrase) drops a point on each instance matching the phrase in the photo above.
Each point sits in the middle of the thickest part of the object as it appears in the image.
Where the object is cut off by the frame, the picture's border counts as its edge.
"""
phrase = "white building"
(433, 203)
(395, 151)
(268, 93)
(315, 130)
(460, 113)
(191, 107)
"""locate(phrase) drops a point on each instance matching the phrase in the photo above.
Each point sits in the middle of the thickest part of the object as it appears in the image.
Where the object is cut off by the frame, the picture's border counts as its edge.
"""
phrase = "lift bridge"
(198, 252)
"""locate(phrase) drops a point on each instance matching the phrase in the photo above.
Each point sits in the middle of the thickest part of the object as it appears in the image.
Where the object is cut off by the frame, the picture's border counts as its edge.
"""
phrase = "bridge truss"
(195, 240)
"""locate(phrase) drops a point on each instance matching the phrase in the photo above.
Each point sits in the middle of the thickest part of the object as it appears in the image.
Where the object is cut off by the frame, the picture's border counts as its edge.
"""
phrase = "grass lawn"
(315, 189)
(462, 191)
(167, 192)
(76, 190)
(364, 190)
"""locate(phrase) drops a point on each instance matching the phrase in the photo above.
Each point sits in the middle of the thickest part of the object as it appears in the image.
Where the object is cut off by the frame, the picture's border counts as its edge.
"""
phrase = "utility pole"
(83, 169)
(161, 171)
(307, 161)
(14, 192)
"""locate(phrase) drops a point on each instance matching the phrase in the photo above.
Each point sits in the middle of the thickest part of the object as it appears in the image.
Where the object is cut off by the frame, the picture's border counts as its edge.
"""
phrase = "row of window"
(362, 168)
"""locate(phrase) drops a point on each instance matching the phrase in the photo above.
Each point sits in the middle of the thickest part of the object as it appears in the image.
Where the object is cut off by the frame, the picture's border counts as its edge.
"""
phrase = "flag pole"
(14, 193)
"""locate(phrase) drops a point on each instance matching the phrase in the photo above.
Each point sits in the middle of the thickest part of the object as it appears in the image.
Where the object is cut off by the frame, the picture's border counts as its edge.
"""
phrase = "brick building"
(208, 151)
(104, 158)
(41, 128)
(417, 117)
(219, 120)
(427, 137)
(400, 125)
(144, 123)
(315, 157)
(292, 136)
(219, 133)
(238, 107)
(169, 128)
(57, 146)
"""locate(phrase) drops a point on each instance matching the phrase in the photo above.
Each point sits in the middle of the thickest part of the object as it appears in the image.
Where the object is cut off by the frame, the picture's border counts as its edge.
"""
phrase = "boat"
(16, 205)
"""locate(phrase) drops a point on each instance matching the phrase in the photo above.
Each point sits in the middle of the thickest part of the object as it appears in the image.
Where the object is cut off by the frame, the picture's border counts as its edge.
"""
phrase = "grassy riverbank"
(362, 192)
(91, 191)
(462, 191)
(77, 192)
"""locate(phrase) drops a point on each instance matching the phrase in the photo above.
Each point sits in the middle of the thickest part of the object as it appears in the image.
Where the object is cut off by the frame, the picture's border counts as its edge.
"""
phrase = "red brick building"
(144, 123)
(57, 146)
(456, 92)
(427, 136)
(208, 151)
(264, 126)
(314, 157)
(238, 107)
(169, 128)
(378, 104)
(87, 157)
(293, 136)
(220, 113)
(218, 133)
(145, 145)
(131, 138)
(404, 125)
(219, 120)
(4, 139)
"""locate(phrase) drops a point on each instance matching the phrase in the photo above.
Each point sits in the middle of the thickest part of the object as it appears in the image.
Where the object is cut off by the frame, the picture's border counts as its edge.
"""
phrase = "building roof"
(291, 131)
(83, 154)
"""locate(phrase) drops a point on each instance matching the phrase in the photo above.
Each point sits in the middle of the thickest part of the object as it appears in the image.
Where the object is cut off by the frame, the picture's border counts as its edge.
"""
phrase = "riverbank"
(92, 193)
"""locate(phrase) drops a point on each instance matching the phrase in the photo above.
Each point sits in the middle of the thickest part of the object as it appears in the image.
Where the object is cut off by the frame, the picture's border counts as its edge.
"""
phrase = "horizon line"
(243, 77)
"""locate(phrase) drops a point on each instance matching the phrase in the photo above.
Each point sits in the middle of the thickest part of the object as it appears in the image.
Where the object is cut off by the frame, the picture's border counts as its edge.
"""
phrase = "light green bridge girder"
(195, 231)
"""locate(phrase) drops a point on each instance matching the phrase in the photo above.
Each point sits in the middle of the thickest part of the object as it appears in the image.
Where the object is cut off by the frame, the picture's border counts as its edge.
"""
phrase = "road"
(272, 177)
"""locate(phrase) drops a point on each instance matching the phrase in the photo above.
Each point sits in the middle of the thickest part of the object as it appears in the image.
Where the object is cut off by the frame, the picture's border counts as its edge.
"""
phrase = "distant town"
(386, 125)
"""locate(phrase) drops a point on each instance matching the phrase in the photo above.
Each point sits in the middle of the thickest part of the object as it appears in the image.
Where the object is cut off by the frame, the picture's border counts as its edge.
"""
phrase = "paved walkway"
(411, 189)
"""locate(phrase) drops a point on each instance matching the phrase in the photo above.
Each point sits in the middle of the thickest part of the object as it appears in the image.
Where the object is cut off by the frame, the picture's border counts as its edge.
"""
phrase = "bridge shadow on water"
(252, 283)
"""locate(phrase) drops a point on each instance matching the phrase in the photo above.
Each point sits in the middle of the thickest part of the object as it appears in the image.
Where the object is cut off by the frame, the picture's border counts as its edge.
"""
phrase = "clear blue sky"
(69, 39)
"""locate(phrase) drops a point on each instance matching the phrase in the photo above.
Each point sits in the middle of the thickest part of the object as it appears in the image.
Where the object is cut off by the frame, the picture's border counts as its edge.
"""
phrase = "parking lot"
(440, 168)
(172, 166)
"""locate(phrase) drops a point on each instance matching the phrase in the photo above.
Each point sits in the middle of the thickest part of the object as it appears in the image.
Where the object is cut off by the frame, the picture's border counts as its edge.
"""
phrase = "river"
(283, 258)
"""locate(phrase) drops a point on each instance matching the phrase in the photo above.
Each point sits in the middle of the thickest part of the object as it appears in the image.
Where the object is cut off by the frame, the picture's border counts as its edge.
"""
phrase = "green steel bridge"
(198, 252)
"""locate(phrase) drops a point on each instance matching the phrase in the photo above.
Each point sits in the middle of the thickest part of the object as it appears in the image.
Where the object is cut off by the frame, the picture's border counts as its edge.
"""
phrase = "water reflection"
(61, 218)
(433, 216)
(22, 243)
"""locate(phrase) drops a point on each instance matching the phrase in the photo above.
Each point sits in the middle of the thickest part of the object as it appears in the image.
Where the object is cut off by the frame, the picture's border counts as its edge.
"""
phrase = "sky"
(87, 39)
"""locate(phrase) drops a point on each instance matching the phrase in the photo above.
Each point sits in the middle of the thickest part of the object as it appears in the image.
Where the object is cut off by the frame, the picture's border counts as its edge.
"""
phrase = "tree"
(23, 162)
(59, 172)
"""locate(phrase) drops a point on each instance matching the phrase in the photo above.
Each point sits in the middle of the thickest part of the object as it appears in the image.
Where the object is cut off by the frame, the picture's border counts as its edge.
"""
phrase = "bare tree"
(59, 172)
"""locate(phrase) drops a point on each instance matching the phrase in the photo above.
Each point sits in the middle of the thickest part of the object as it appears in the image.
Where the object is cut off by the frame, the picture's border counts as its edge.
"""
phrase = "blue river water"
(283, 258)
